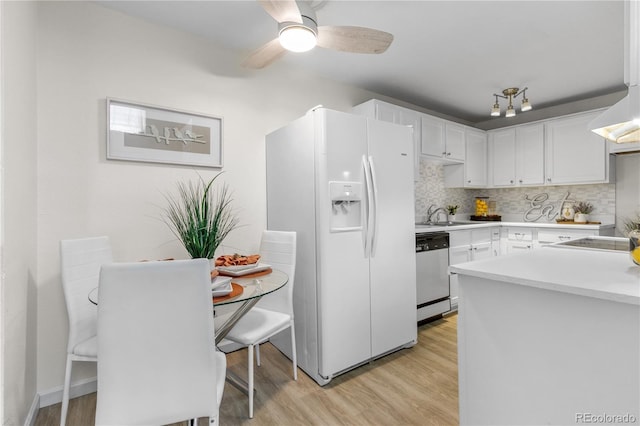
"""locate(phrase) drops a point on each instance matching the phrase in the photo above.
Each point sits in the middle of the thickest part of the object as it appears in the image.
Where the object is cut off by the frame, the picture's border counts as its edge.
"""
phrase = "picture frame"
(147, 133)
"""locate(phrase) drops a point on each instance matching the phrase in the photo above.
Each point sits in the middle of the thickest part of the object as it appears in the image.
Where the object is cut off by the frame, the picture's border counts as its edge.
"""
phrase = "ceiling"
(447, 56)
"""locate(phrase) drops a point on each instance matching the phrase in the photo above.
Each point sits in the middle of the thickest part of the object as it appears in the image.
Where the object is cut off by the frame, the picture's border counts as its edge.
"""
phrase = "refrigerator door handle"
(374, 216)
(366, 235)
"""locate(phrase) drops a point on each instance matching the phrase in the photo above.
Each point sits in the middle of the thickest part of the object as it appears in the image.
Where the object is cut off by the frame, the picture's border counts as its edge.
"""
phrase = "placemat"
(237, 290)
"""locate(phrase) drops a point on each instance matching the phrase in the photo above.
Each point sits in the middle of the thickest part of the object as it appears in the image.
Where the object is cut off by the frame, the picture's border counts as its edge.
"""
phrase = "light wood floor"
(417, 386)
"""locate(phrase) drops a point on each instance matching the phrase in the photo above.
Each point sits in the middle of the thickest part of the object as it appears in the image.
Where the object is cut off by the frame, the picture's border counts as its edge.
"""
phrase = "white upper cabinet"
(517, 156)
(574, 154)
(476, 163)
(384, 111)
(455, 142)
(502, 151)
(473, 172)
(433, 136)
(442, 140)
(530, 154)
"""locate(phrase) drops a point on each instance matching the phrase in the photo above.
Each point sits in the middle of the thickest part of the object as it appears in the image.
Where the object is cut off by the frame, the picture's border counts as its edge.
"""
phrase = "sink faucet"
(435, 211)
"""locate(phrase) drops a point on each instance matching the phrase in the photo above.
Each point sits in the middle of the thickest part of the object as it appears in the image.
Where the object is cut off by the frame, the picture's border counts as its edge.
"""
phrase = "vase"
(452, 218)
(581, 218)
(634, 246)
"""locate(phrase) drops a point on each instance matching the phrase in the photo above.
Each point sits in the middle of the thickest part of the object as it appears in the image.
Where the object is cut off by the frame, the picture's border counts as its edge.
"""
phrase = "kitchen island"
(550, 336)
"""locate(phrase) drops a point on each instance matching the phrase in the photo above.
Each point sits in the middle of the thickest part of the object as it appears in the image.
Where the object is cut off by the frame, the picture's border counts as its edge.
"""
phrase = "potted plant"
(632, 228)
(582, 210)
(451, 209)
(200, 216)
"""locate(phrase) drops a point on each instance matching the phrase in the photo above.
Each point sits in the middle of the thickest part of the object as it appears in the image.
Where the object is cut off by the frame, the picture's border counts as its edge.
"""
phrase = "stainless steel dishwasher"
(432, 278)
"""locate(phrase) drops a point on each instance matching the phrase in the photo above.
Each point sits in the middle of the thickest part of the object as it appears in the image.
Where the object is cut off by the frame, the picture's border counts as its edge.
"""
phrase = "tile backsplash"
(511, 203)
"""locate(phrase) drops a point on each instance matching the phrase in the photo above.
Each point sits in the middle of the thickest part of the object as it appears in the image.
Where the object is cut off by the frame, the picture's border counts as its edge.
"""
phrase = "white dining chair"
(274, 312)
(80, 262)
(158, 363)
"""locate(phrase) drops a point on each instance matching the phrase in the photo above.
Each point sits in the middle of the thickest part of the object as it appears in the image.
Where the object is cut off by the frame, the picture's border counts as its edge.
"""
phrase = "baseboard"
(33, 411)
(80, 388)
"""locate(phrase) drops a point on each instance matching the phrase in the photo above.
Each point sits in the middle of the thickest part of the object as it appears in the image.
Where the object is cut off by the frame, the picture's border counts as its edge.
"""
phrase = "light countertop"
(604, 275)
(489, 224)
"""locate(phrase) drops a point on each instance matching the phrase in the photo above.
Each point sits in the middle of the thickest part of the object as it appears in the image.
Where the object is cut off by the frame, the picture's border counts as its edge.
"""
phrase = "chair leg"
(250, 374)
(65, 392)
(293, 352)
(257, 348)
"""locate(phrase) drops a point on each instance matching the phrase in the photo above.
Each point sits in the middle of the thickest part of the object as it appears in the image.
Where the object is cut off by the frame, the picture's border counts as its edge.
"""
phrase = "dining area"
(151, 327)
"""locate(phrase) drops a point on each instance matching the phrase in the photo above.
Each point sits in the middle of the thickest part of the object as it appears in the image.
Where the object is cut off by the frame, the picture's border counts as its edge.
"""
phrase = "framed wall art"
(138, 132)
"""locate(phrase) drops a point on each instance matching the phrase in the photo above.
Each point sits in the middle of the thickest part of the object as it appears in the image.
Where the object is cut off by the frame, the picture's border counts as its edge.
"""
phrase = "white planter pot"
(452, 218)
(581, 218)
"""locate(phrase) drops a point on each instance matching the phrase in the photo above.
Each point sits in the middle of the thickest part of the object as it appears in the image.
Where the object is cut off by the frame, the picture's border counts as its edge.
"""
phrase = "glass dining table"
(247, 291)
(251, 289)
(254, 287)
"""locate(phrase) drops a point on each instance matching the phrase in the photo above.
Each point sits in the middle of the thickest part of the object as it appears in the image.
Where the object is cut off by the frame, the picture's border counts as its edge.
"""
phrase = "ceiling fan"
(298, 31)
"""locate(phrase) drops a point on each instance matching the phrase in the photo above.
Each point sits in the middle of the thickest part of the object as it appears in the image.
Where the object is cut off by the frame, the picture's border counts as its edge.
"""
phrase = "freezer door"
(392, 264)
(343, 269)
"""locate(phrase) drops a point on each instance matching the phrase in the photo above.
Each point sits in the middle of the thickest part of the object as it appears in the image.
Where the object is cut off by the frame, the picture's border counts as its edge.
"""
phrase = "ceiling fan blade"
(264, 55)
(354, 39)
(282, 10)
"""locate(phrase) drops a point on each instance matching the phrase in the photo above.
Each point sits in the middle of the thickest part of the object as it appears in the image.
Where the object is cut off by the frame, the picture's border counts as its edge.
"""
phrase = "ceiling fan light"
(525, 106)
(297, 38)
(495, 111)
(510, 111)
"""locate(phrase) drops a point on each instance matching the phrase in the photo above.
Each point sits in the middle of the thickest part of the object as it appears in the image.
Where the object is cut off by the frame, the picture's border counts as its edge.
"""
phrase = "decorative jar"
(567, 212)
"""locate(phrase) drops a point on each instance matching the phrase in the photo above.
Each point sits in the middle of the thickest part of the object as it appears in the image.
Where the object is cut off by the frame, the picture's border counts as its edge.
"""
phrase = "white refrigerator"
(344, 183)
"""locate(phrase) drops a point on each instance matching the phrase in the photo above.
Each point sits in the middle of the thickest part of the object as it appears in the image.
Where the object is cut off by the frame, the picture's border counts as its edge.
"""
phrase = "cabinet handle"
(564, 237)
(448, 154)
(444, 153)
(548, 179)
(511, 181)
(520, 181)
(468, 181)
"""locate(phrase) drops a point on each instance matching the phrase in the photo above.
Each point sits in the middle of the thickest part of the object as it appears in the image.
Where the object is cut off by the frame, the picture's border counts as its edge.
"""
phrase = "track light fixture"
(510, 94)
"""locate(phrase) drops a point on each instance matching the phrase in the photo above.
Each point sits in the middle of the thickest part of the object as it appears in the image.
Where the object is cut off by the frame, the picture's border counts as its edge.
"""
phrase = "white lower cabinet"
(519, 239)
(464, 246)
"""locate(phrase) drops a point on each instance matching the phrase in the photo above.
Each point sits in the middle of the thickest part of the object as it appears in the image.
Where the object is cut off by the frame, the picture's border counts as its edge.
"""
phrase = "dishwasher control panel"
(427, 241)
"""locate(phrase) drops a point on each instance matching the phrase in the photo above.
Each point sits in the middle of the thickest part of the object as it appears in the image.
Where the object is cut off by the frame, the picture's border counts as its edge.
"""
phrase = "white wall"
(18, 234)
(87, 53)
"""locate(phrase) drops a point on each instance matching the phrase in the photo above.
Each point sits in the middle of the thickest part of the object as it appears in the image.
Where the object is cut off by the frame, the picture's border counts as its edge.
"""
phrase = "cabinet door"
(530, 154)
(386, 112)
(454, 142)
(475, 165)
(459, 254)
(432, 129)
(574, 154)
(481, 251)
(503, 155)
(408, 117)
(518, 246)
